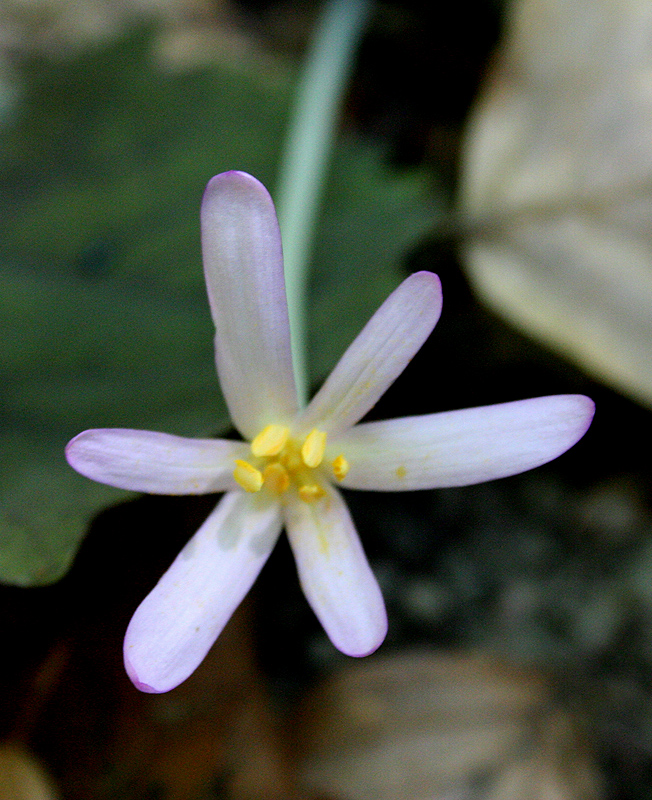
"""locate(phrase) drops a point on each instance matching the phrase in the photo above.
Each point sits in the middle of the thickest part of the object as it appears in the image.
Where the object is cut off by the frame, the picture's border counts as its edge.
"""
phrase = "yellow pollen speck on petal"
(310, 492)
(340, 467)
(401, 472)
(313, 448)
(270, 441)
(247, 476)
(276, 477)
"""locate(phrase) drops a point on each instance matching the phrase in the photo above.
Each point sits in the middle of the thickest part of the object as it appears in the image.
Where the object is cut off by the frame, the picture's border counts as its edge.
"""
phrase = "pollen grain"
(310, 492)
(340, 467)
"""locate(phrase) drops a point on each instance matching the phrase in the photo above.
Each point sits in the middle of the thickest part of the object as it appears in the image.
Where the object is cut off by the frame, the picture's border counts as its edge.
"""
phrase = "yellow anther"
(313, 448)
(270, 441)
(340, 467)
(310, 492)
(250, 478)
(291, 459)
(276, 477)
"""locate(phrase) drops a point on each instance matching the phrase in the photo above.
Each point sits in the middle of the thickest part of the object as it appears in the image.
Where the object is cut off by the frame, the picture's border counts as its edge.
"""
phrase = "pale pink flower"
(287, 472)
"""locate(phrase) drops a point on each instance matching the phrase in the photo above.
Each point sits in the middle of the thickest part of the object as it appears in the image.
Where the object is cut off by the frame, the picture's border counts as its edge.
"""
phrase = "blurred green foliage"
(105, 320)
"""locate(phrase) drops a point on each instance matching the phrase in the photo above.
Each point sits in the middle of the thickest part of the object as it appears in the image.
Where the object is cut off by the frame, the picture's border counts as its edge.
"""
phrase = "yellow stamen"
(310, 492)
(276, 477)
(247, 476)
(340, 467)
(313, 448)
(270, 441)
(291, 459)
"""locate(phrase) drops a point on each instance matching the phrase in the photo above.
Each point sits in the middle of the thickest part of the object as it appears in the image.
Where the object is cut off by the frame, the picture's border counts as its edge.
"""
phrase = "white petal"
(243, 263)
(158, 463)
(335, 575)
(459, 448)
(377, 356)
(177, 623)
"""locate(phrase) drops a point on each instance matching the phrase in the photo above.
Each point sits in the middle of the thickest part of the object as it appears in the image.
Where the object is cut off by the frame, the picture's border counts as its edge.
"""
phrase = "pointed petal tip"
(143, 687)
(359, 632)
(140, 685)
(367, 647)
(233, 180)
(76, 448)
(70, 448)
(428, 277)
(581, 410)
(588, 406)
(428, 283)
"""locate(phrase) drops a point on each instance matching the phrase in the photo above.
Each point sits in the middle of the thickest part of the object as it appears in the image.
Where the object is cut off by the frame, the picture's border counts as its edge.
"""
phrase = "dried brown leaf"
(22, 777)
(557, 184)
(443, 727)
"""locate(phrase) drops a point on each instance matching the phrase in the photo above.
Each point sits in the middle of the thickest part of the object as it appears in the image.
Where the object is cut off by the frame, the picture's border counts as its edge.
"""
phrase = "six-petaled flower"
(287, 472)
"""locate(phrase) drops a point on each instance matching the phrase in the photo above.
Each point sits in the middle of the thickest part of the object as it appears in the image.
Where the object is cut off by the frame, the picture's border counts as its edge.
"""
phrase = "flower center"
(281, 462)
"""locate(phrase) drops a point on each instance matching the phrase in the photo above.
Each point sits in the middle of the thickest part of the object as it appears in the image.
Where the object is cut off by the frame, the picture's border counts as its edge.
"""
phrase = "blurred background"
(505, 147)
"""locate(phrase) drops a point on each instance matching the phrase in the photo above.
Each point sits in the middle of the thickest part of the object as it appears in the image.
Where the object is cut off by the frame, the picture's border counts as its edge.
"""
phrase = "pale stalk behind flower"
(306, 156)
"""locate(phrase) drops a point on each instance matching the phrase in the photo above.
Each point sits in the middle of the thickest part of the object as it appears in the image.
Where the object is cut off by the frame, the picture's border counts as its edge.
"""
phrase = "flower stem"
(307, 153)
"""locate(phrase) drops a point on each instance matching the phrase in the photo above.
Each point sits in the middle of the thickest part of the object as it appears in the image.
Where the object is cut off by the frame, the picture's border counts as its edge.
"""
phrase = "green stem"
(307, 153)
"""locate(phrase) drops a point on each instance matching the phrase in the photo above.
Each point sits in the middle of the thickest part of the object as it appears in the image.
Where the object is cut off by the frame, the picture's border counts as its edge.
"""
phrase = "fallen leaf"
(421, 726)
(556, 184)
(21, 776)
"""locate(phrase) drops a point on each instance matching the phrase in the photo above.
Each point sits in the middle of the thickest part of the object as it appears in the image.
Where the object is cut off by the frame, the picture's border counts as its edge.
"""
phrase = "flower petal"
(334, 573)
(158, 463)
(176, 624)
(243, 264)
(377, 356)
(459, 448)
